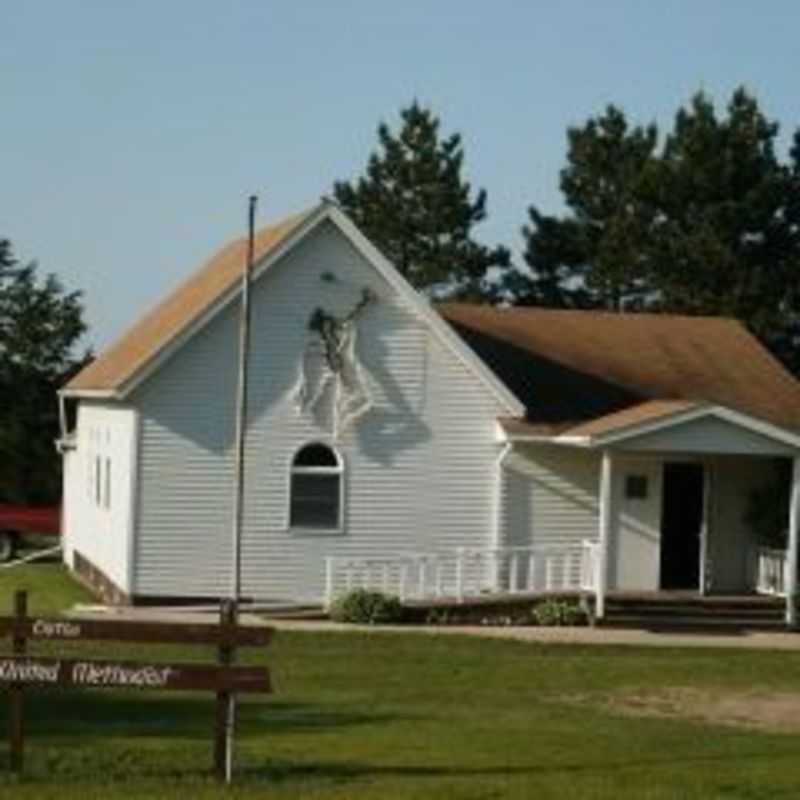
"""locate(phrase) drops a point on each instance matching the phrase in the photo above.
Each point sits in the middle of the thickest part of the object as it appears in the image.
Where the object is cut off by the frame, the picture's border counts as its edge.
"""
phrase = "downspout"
(63, 445)
(498, 498)
(62, 416)
(63, 442)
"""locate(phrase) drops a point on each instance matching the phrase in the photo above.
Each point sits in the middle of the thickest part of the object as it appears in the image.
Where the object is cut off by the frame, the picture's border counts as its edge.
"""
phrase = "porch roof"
(652, 422)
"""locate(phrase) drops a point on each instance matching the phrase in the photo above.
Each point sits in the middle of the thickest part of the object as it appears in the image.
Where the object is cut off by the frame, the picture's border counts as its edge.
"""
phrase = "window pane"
(107, 498)
(316, 455)
(315, 501)
(636, 487)
(98, 477)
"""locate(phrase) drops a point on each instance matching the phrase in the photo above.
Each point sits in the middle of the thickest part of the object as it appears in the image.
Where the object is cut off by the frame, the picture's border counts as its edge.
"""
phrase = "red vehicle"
(15, 521)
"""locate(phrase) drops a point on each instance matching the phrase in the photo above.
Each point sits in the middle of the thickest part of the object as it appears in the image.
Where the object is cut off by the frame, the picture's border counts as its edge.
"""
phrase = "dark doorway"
(681, 521)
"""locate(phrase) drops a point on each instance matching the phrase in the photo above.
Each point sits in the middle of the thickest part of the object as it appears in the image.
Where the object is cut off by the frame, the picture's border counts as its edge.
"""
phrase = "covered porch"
(673, 482)
(646, 503)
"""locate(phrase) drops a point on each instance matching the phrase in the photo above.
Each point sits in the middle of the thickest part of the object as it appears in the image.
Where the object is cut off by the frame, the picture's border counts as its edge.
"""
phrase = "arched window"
(316, 488)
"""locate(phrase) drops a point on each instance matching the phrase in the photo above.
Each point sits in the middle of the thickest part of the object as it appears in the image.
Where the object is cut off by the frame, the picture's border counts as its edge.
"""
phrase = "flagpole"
(239, 458)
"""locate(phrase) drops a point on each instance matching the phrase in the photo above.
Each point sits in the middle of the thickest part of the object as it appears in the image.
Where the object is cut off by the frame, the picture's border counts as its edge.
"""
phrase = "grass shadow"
(74, 715)
(277, 772)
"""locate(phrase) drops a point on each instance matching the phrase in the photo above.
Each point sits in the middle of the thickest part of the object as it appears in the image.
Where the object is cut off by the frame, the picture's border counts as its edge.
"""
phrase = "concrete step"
(696, 611)
(683, 623)
(314, 613)
(697, 602)
(692, 612)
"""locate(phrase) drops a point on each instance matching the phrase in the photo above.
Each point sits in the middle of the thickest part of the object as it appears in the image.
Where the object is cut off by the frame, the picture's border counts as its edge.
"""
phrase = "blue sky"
(134, 131)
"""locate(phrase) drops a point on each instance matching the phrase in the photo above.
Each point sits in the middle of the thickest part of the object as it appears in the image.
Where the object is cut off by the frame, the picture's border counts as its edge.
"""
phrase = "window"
(98, 478)
(636, 487)
(316, 489)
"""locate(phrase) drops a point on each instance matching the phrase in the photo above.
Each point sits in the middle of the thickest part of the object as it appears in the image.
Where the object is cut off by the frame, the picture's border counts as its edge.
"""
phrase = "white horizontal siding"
(418, 466)
(101, 534)
(550, 497)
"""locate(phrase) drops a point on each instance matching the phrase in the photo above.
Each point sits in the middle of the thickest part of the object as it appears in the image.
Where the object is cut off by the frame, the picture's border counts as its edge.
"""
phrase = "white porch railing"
(770, 571)
(590, 565)
(459, 573)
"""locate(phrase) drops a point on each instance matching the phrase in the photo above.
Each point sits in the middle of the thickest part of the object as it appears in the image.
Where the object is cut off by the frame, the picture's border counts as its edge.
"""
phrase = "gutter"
(534, 438)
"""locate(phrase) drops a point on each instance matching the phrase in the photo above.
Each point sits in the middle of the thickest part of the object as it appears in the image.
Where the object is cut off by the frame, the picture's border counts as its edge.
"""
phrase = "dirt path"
(755, 640)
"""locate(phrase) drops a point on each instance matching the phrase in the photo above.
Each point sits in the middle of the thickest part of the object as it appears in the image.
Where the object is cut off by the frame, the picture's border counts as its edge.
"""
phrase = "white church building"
(430, 451)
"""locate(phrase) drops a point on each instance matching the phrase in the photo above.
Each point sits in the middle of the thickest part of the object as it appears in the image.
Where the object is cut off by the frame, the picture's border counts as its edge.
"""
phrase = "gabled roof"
(616, 421)
(634, 416)
(614, 362)
(129, 360)
(190, 300)
(639, 420)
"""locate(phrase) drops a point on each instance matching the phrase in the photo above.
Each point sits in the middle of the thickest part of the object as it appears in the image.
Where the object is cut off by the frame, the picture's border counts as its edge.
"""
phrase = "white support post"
(606, 471)
(513, 574)
(329, 567)
(794, 541)
(531, 572)
(708, 488)
(460, 575)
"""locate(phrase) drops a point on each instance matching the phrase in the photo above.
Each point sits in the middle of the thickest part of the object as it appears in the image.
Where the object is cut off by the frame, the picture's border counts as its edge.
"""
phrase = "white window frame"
(338, 470)
(107, 485)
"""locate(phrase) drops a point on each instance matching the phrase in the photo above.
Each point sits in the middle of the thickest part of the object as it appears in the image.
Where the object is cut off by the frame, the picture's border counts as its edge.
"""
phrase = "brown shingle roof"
(697, 359)
(134, 349)
(649, 411)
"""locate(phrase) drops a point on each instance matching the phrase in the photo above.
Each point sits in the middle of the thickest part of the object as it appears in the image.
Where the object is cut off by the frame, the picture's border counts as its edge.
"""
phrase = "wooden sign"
(19, 670)
(68, 673)
(149, 632)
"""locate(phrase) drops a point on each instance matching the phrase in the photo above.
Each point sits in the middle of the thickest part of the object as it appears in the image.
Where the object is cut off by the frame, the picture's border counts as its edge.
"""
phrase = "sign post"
(16, 710)
(20, 670)
(223, 737)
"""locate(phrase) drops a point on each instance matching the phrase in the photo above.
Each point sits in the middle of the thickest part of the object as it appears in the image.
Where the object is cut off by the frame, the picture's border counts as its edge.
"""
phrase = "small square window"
(636, 487)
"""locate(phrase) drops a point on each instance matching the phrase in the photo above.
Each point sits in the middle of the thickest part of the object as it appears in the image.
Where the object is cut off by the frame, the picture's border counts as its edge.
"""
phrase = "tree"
(414, 204)
(592, 258)
(723, 242)
(40, 324)
(707, 224)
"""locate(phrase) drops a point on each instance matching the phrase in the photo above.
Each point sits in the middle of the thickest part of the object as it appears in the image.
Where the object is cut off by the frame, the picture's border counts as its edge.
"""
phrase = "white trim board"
(636, 430)
(737, 418)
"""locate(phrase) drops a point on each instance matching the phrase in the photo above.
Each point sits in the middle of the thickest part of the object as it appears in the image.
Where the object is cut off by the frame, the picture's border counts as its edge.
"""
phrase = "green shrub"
(364, 607)
(558, 612)
(437, 616)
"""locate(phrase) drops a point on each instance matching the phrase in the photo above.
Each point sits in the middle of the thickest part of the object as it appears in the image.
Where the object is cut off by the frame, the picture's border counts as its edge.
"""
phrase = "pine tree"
(40, 324)
(709, 223)
(723, 242)
(414, 204)
(591, 258)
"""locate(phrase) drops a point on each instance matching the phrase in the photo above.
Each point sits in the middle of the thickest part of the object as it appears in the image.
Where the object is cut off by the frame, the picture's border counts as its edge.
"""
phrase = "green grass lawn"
(411, 716)
(50, 588)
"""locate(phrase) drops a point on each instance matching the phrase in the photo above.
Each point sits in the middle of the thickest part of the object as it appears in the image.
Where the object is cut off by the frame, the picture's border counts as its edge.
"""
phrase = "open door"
(681, 525)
